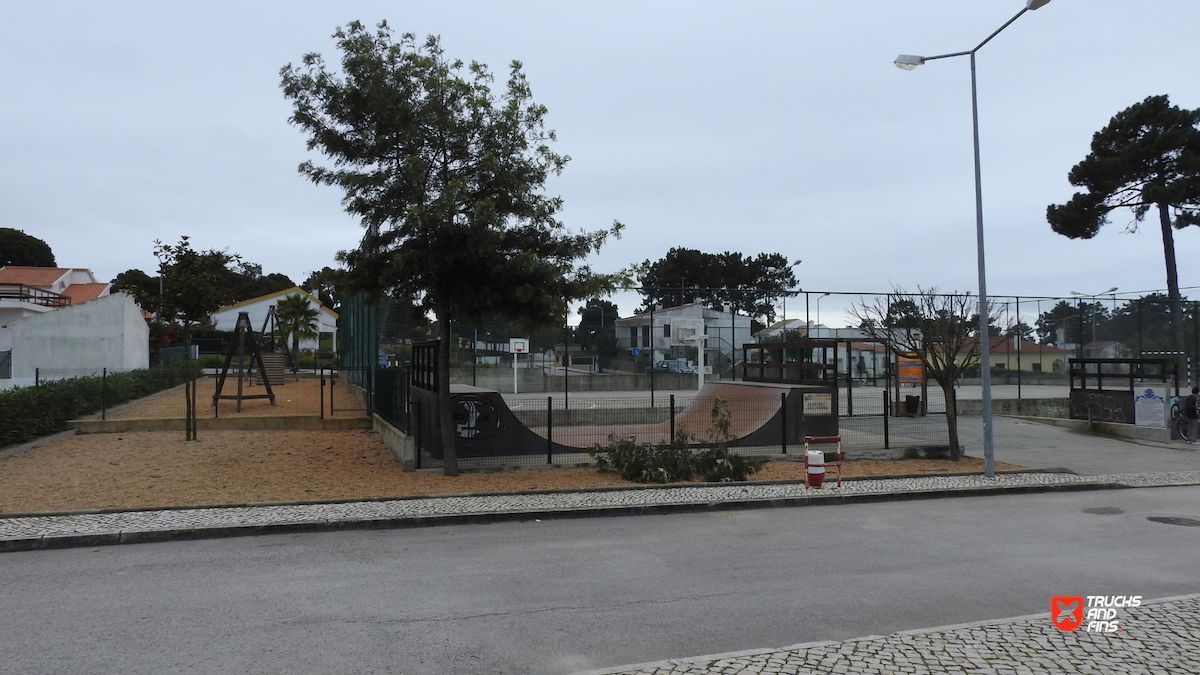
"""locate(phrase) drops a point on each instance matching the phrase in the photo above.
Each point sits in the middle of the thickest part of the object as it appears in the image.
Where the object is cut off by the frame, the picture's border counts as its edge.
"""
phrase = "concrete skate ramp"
(754, 408)
(484, 425)
(761, 415)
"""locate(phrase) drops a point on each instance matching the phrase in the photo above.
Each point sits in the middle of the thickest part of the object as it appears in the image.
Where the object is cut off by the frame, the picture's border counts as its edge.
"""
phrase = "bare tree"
(935, 328)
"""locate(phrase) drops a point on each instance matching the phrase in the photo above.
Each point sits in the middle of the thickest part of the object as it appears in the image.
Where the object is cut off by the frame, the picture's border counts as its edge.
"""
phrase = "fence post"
(887, 412)
(549, 429)
(417, 436)
(37, 377)
(783, 419)
(849, 382)
(672, 438)
(652, 301)
(321, 389)
(1019, 348)
(104, 393)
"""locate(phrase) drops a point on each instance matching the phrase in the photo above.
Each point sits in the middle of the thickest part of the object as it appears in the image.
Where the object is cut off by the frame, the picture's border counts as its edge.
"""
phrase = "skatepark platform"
(760, 415)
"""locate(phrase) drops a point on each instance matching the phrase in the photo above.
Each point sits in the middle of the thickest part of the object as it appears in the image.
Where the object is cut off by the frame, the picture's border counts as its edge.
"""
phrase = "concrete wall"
(403, 447)
(1128, 431)
(306, 422)
(535, 380)
(1027, 378)
(1019, 407)
(108, 332)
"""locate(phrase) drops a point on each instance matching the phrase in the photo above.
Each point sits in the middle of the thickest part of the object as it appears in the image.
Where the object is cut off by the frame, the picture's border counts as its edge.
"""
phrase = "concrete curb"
(16, 450)
(277, 422)
(90, 539)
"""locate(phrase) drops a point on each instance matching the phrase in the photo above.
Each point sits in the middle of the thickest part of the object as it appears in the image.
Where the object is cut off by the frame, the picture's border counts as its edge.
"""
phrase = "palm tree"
(297, 317)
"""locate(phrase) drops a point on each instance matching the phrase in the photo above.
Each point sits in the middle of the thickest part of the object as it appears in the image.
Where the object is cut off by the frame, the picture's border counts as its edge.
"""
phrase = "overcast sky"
(756, 126)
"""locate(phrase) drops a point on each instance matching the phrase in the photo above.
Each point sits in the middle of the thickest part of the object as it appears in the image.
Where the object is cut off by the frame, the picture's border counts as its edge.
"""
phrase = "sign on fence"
(818, 404)
(1150, 406)
(909, 369)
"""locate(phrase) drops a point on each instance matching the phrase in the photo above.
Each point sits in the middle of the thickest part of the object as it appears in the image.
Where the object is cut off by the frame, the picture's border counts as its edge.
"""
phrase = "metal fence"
(561, 431)
(323, 393)
(391, 397)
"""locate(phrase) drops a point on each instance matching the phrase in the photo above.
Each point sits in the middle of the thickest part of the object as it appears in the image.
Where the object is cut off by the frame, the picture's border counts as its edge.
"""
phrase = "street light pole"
(909, 62)
(819, 309)
(1093, 297)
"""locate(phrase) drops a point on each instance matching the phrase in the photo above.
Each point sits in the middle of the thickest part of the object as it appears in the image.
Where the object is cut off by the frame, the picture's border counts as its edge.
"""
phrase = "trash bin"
(912, 405)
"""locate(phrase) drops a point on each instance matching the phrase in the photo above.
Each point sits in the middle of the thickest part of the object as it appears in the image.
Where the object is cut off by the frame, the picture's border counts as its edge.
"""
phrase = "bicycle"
(1179, 424)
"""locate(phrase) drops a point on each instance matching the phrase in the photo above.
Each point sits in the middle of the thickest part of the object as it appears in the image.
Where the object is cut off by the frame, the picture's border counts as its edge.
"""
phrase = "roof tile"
(31, 276)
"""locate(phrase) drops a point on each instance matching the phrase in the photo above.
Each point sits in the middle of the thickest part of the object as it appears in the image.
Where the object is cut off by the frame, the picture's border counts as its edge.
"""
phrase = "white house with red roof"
(28, 291)
(61, 322)
(226, 317)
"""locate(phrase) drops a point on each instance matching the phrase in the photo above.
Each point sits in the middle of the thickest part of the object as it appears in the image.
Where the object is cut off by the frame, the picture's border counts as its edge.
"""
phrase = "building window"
(1037, 367)
(646, 336)
(666, 330)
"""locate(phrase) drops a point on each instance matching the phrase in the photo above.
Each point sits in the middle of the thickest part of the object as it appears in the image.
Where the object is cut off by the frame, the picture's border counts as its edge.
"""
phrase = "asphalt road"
(559, 596)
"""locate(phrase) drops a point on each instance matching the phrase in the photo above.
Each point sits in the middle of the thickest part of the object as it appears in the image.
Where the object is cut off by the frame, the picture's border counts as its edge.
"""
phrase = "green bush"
(29, 412)
(647, 462)
(717, 464)
(680, 459)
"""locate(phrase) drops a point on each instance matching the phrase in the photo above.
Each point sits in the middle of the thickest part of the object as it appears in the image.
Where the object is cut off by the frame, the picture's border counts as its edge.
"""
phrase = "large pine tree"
(1147, 157)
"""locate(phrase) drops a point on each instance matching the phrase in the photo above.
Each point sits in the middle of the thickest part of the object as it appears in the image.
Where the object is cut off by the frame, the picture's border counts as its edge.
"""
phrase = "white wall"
(108, 332)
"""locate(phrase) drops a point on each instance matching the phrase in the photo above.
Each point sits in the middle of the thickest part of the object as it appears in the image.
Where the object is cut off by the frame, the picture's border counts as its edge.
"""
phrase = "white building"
(26, 291)
(674, 332)
(226, 317)
(78, 340)
(29, 291)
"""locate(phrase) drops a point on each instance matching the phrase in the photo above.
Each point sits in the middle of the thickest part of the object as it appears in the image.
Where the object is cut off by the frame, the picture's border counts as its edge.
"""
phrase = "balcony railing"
(34, 295)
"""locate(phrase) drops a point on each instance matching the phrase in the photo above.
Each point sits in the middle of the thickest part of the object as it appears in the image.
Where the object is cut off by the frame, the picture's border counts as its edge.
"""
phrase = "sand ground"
(159, 469)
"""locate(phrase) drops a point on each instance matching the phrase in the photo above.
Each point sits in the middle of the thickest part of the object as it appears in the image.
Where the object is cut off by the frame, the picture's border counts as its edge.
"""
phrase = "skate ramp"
(761, 415)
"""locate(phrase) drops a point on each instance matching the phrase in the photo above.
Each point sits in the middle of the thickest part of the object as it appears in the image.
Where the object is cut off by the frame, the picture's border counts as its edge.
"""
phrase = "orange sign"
(909, 368)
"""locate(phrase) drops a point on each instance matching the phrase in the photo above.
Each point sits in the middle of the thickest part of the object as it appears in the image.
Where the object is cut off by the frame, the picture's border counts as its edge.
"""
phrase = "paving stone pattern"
(329, 514)
(1159, 638)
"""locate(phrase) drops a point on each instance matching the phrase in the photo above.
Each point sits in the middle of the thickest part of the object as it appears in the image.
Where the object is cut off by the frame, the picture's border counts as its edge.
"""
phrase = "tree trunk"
(1164, 219)
(445, 415)
(951, 418)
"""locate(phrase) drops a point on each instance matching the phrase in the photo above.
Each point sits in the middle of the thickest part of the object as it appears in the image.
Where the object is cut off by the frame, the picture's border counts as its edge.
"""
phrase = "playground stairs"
(274, 363)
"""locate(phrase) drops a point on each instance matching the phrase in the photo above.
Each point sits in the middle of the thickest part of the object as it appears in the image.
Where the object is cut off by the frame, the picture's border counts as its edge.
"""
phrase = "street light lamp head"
(1036, 4)
(1090, 295)
(910, 62)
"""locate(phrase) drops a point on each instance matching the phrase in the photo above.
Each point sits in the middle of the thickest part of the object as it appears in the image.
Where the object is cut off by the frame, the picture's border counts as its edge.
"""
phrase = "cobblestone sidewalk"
(94, 529)
(1159, 637)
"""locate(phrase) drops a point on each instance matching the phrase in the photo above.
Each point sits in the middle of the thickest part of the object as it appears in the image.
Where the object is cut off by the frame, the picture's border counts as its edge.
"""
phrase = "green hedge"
(29, 412)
